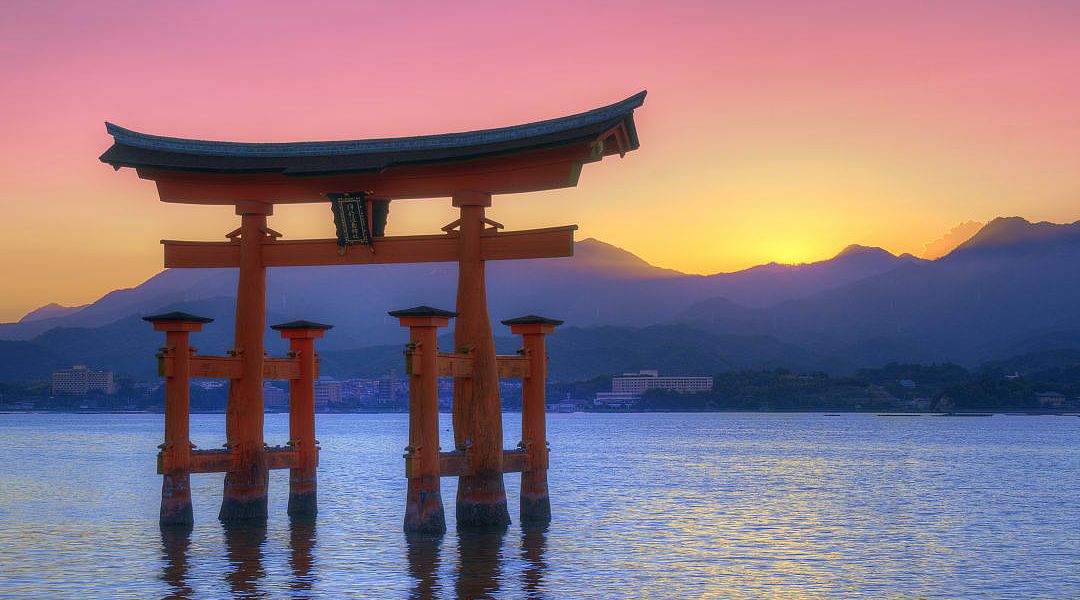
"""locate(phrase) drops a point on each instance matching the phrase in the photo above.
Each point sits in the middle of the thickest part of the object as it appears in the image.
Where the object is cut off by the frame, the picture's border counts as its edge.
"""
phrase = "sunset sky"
(773, 130)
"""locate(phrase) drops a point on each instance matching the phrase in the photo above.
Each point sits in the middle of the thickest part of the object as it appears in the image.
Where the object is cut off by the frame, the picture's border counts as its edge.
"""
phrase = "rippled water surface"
(645, 506)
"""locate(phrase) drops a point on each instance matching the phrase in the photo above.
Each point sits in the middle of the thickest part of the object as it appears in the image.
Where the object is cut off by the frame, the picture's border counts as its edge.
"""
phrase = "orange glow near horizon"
(772, 131)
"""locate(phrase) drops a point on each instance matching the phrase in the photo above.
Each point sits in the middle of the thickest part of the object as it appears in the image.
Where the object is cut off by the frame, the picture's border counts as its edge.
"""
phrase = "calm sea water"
(645, 506)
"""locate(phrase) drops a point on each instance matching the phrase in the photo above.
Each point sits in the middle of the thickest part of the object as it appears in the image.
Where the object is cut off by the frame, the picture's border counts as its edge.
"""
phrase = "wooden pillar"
(175, 456)
(245, 486)
(303, 484)
(535, 502)
(423, 501)
(481, 498)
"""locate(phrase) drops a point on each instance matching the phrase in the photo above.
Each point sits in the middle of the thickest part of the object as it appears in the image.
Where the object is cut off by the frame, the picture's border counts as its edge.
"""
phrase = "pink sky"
(773, 130)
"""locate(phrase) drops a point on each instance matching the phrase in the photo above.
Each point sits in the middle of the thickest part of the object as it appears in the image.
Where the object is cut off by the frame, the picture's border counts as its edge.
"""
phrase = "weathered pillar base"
(301, 505)
(424, 507)
(176, 500)
(302, 494)
(481, 503)
(245, 496)
(233, 509)
(535, 502)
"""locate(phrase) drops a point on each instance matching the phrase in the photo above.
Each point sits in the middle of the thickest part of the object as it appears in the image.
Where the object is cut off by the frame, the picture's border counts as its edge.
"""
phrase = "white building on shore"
(643, 381)
(80, 381)
(628, 388)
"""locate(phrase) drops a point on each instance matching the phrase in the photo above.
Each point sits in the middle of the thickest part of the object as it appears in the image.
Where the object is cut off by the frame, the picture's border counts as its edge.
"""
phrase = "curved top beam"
(139, 150)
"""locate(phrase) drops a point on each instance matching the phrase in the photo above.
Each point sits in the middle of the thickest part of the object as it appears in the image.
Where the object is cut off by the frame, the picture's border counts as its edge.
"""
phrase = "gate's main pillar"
(481, 499)
(245, 485)
(423, 504)
(535, 502)
(303, 482)
(175, 457)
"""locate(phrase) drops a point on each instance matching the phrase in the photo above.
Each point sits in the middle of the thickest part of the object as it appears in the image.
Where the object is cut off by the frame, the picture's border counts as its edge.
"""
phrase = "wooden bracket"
(235, 233)
(460, 364)
(455, 365)
(495, 245)
(456, 463)
(229, 367)
(222, 461)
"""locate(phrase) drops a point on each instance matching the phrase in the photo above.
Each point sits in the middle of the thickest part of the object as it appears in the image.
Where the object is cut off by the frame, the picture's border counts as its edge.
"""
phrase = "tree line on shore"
(1012, 385)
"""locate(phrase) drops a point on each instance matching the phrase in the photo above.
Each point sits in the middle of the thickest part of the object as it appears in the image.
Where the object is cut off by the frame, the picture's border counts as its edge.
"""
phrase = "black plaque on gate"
(350, 218)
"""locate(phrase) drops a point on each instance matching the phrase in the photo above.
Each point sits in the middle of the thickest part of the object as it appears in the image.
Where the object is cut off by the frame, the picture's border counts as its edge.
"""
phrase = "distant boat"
(965, 415)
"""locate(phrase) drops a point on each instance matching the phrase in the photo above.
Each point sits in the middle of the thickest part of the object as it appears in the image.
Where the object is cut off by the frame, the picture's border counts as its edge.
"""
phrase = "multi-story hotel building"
(80, 381)
(627, 389)
(642, 381)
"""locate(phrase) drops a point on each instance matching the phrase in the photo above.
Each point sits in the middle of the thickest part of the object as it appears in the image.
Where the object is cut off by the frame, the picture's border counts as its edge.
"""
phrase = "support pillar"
(535, 502)
(245, 486)
(481, 499)
(303, 484)
(423, 501)
(175, 456)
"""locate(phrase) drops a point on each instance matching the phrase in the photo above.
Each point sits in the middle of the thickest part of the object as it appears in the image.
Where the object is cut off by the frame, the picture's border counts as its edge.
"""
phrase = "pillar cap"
(532, 320)
(422, 311)
(177, 317)
(301, 325)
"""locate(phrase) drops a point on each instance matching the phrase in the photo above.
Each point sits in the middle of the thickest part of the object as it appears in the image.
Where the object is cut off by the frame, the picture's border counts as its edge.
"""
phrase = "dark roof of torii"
(134, 149)
(532, 320)
(301, 325)
(422, 311)
(177, 316)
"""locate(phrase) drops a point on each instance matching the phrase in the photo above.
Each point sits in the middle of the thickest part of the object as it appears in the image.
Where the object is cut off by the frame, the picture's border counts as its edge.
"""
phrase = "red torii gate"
(468, 167)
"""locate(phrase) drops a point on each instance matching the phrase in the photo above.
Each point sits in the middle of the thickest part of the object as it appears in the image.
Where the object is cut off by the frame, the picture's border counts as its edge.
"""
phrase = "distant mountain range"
(1010, 289)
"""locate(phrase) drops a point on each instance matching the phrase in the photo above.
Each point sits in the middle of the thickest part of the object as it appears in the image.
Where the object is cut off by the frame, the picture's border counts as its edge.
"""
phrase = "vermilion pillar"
(535, 502)
(423, 504)
(245, 486)
(176, 451)
(303, 484)
(481, 499)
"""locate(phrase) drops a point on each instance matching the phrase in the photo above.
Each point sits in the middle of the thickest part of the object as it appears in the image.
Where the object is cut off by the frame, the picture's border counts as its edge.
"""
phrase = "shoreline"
(825, 412)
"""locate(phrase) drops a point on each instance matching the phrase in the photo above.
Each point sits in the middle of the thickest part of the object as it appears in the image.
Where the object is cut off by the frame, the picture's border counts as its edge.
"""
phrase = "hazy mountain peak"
(591, 253)
(49, 311)
(1017, 231)
(860, 250)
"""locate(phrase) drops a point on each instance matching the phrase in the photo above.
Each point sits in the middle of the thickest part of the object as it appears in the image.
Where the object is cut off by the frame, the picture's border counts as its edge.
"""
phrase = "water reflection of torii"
(362, 177)
(244, 553)
(479, 563)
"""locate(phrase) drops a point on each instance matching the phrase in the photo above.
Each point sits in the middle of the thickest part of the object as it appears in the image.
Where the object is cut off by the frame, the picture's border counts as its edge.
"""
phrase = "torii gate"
(469, 168)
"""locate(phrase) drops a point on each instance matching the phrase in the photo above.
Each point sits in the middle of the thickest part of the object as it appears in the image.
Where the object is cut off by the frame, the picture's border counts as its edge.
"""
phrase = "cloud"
(952, 238)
